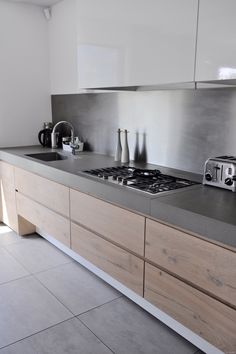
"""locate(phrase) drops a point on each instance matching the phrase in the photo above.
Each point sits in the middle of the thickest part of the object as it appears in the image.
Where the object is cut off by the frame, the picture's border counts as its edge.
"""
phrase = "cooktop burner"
(149, 181)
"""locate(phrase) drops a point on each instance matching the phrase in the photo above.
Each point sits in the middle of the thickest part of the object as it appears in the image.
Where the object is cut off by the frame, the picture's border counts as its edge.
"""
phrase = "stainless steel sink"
(47, 156)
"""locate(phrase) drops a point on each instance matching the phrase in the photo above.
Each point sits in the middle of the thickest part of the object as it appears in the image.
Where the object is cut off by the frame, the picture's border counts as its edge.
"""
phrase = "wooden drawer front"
(8, 201)
(121, 265)
(114, 223)
(208, 266)
(7, 173)
(55, 225)
(51, 194)
(204, 315)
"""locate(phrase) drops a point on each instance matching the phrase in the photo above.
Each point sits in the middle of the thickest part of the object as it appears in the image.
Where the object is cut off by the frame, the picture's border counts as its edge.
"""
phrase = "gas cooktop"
(148, 181)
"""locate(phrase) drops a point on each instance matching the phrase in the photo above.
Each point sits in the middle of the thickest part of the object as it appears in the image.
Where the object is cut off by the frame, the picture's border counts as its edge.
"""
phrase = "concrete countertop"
(207, 211)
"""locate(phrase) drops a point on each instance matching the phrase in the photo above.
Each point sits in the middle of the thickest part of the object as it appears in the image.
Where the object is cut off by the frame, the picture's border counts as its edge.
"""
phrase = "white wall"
(24, 73)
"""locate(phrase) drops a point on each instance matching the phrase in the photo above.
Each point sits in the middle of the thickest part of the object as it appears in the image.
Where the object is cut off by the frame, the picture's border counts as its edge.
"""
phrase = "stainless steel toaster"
(221, 172)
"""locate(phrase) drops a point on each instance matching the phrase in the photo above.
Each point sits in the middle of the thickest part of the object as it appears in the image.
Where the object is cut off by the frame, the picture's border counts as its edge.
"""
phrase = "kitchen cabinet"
(207, 266)
(135, 42)
(44, 218)
(120, 264)
(48, 193)
(188, 278)
(63, 48)
(130, 43)
(8, 201)
(216, 42)
(204, 315)
(116, 224)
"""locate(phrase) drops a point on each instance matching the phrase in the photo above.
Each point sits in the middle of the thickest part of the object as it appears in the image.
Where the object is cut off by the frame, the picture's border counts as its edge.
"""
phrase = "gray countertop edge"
(161, 209)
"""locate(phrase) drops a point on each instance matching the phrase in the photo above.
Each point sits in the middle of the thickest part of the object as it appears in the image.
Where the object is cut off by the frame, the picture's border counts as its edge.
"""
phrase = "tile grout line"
(34, 334)
(95, 335)
(93, 308)
(53, 294)
(105, 303)
(41, 271)
(11, 281)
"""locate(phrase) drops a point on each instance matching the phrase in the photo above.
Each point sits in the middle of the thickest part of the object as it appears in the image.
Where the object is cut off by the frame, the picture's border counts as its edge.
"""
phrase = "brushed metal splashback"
(179, 129)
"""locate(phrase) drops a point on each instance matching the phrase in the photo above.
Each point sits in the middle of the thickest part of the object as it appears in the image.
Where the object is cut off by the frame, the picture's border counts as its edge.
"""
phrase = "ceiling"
(43, 3)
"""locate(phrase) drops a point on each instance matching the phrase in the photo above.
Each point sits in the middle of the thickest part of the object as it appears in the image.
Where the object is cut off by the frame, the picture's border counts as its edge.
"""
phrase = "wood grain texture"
(204, 315)
(112, 222)
(210, 267)
(51, 194)
(121, 265)
(8, 201)
(25, 227)
(52, 223)
(7, 173)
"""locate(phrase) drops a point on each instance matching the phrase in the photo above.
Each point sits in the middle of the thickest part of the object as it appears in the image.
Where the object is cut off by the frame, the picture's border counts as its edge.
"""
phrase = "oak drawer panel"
(120, 264)
(112, 222)
(54, 224)
(8, 205)
(51, 194)
(204, 315)
(7, 173)
(210, 267)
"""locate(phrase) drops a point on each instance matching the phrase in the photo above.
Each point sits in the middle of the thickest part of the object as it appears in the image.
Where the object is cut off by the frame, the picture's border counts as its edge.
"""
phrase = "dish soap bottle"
(125, 148)
(118, 147)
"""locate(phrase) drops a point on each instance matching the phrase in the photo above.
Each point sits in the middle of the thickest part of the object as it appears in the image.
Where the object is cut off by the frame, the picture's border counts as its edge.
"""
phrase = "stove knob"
(105, 177)
(119, 179)
(124, 182)
(208, 176)
(228, 181)
(114, 178)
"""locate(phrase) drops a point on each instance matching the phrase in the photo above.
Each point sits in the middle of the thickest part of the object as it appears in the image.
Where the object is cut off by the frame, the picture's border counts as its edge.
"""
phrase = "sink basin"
(47, 156)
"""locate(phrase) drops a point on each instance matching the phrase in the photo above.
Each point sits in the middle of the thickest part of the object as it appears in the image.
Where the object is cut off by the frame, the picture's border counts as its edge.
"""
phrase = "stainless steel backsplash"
(178, 129)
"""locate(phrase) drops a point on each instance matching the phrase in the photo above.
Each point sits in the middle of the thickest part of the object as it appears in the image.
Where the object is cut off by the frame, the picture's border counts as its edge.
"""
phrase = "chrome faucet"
(54, 135)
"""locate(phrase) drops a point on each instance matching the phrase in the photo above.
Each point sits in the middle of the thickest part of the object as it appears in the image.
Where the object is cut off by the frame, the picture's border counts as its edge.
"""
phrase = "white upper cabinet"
(135, 42)
(216, 43)
(63, 48)
(114, 43)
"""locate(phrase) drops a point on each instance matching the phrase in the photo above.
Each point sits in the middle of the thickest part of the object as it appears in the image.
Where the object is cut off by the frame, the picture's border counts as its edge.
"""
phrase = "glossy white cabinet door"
(216, 44)
(63, 48)
(135, 42)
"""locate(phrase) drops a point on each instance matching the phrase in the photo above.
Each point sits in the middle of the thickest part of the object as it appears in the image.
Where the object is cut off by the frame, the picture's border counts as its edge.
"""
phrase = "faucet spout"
(54, 134)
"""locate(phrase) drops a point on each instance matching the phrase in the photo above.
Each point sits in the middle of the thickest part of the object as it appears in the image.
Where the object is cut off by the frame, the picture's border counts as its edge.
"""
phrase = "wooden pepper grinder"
(125, 147)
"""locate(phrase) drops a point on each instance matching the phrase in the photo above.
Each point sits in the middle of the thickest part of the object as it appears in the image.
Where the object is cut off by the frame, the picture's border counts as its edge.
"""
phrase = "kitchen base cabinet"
(114, 223)
(120, 264)
(44, 218)
(48, 193)
(8, 201)
(205, 265)
(204, 315)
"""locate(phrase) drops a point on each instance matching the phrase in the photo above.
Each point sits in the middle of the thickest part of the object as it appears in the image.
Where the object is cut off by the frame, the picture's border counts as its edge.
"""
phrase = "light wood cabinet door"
(7, 173)
(8, 202)
(114, 223)
(50, 222)
(121, 265)
(48, 193)
(204, 315)
(208, 266)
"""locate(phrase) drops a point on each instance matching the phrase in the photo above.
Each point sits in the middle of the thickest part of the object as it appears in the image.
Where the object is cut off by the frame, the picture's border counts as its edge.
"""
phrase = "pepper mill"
(125, 148)
(118, 147)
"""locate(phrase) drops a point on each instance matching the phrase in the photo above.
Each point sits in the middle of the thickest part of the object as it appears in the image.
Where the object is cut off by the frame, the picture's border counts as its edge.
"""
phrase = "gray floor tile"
(126, 328)
(7, 236)
(26, 307)
(77, 288)
(70, 337)
(10, 269)
(37, 254)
